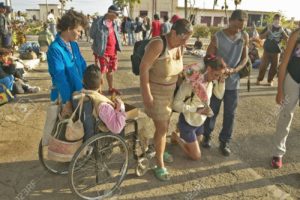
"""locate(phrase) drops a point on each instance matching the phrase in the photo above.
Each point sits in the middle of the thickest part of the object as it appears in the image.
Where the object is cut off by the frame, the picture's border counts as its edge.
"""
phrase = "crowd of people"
(203, 86)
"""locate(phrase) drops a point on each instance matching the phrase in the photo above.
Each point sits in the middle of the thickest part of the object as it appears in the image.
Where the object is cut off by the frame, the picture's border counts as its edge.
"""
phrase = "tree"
(123, 4)
(237, 2)
(225, 5)
(63, 5)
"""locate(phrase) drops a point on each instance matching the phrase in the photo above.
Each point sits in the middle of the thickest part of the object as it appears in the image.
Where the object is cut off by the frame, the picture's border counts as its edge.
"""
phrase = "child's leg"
(191, 149)
(188, 139)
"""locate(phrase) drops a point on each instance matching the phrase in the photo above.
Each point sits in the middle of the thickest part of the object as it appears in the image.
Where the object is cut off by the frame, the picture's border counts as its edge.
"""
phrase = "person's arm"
(56, 68)
(244, 57)
(264, 33)
(219, 89)
(283, 66)
(284, 35)
(2, 25)
(212, 47)
(152, 52)
(184, 91)
(114, 119)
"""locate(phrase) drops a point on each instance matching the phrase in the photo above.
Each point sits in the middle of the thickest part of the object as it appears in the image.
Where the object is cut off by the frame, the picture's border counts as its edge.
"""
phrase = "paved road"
(244, 175)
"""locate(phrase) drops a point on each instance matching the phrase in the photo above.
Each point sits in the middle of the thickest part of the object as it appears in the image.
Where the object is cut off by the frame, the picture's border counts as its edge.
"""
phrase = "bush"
(201, 31)
(214, 29)
(34, 28)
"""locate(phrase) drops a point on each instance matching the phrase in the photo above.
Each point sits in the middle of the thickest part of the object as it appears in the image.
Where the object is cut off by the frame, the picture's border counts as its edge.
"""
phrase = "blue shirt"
(231, 51)
(66, 69)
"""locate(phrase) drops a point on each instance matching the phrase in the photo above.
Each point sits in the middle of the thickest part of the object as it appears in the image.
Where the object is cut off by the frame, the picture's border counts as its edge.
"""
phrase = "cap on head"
(114, 9)
(2, 5)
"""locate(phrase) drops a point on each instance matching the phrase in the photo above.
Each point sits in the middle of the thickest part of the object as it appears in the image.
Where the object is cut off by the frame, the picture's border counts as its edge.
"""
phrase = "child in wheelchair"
(100, 108)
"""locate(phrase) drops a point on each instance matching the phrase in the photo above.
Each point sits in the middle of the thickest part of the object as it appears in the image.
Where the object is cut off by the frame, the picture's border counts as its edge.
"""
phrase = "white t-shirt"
(51, 18)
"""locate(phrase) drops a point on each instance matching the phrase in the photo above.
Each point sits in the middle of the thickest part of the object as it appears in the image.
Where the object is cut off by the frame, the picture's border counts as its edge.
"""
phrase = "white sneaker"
(34, 89)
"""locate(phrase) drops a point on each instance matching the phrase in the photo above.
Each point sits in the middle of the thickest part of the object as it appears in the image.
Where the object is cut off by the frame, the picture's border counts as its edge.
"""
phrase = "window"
(206, 20)
(143, 13)
(217, 21)
(163, 13)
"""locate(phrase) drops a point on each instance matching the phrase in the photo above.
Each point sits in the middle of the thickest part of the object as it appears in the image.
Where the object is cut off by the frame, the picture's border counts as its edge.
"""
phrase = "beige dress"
(163, 76)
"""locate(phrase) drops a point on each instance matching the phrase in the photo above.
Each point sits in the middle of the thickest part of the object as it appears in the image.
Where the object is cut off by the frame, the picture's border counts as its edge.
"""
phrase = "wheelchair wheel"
(50, 165)
(99, 166)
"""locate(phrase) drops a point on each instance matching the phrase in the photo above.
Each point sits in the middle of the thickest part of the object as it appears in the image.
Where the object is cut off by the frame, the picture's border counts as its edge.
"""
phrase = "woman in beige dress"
(159, 71)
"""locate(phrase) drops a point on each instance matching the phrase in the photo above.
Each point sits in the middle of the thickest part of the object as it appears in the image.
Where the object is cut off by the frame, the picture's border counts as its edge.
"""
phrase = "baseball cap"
(2, 5)
(114, 9)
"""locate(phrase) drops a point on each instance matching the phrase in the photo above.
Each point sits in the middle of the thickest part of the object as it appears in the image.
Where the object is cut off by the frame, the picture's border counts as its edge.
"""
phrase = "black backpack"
(138, 53)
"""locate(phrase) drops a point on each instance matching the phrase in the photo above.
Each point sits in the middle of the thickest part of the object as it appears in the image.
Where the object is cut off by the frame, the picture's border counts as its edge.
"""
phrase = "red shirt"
(111, 39)
(155, 28)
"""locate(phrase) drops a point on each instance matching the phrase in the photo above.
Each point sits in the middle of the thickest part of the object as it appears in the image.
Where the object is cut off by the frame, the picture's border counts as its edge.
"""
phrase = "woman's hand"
(280, 97)
(67, 110)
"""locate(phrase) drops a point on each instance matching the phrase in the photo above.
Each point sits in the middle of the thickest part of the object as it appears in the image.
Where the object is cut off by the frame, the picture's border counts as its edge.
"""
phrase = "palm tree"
(63, 4)
(237, 2)
(123, 4)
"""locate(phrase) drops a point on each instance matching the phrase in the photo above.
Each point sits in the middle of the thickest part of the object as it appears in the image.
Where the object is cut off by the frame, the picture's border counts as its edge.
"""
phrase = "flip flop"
(161, 174)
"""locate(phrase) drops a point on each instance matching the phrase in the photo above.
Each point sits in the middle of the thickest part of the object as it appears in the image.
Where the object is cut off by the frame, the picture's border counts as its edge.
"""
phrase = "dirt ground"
(246, 174)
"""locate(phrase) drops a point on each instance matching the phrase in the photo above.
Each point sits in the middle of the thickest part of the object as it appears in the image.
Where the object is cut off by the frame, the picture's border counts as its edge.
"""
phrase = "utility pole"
(185, 9)
(47, 6)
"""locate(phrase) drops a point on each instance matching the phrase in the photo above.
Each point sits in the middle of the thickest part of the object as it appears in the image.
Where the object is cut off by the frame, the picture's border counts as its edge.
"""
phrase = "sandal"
(161, 174)
(113, 90)
(168, 158)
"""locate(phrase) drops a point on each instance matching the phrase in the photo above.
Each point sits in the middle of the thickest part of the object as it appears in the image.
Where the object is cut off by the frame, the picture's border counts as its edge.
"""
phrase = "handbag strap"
(80, 103)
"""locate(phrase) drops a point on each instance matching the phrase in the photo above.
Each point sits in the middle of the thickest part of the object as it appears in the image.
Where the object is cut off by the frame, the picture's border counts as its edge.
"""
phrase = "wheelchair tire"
(51, 166)
(99, 166)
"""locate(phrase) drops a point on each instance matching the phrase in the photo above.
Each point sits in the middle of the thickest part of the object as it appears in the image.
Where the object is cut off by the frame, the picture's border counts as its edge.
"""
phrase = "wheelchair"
(100, 164)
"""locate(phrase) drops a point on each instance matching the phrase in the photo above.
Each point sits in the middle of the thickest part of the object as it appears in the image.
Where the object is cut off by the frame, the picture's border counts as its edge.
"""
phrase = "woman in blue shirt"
(65, 62)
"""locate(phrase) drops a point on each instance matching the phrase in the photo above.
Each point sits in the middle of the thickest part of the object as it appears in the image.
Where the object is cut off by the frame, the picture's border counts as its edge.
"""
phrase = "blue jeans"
(87, 118)
(8, 81)
(230, 104)
(131, 39)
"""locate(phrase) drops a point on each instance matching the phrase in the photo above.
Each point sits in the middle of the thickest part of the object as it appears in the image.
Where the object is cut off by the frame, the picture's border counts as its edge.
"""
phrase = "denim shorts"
(187, 132)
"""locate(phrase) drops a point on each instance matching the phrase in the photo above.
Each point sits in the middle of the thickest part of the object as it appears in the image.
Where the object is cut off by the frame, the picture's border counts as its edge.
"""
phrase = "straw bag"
(51, 119)
(59, 148)
(75, 130)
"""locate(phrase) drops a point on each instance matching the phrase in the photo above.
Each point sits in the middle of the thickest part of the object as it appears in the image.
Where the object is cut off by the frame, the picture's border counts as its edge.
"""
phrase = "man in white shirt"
(52, 22)
(19, 18)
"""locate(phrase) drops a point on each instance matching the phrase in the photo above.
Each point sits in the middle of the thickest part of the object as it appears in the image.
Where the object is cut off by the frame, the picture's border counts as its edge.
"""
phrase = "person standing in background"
(273, 34)
(146, 29)
(106, 43)
(52, 22)
(19, 18)
(156, 26)
(166, 26)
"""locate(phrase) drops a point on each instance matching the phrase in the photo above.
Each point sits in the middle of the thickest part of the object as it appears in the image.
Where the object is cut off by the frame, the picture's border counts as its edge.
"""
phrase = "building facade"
(209, 17)
(42, 12)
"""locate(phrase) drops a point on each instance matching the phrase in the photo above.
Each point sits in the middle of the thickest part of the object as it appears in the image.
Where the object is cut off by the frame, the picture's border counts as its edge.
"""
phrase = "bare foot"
(174, 137)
